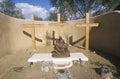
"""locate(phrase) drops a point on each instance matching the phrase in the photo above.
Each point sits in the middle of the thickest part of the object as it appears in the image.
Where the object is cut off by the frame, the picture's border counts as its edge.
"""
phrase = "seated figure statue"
(60, 49)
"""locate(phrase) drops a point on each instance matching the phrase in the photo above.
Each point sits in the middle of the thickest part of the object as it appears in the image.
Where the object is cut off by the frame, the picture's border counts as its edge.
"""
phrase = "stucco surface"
(105, 37)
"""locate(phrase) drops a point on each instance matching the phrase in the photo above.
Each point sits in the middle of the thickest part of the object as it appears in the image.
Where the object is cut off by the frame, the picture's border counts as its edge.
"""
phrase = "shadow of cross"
(87, 25)
(58, 24)
(32, 25)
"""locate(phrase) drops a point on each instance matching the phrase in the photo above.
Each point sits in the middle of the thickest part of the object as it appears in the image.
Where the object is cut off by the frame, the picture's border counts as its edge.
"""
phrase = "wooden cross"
(58, 24)
(87, 25)
(32, 26)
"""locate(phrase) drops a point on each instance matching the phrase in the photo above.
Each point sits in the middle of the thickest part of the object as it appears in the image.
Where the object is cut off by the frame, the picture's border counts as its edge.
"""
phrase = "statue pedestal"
(39, 57)
(57, 64)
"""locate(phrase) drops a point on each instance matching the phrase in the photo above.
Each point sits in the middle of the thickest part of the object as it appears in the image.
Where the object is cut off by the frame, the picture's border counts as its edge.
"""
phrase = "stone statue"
(60, 48)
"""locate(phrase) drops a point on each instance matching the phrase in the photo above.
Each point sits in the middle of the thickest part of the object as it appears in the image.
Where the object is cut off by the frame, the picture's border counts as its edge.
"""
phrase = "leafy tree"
(37, 18)
(52, 16)
(117, 8)
(75, 9)
(8, 7)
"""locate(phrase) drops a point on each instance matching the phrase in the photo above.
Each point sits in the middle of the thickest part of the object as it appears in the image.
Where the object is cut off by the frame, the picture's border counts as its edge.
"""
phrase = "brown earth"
(15, 66)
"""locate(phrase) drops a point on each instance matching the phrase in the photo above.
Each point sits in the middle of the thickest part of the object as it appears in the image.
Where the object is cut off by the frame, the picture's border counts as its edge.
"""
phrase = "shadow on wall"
(106, 37)
(77, 41)
(29, 35)
(74, 43)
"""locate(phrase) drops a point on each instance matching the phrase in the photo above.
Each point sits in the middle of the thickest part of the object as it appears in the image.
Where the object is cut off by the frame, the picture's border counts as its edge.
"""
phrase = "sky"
(40, 8)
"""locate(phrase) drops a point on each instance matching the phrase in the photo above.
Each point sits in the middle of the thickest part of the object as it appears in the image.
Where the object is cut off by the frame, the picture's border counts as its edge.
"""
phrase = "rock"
(63, 74)
(106, 72)
(46, 66)
(46, 69)
(18, 69)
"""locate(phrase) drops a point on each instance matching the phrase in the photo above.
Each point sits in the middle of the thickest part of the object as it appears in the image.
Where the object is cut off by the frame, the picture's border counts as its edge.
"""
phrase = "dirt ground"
(15, 66)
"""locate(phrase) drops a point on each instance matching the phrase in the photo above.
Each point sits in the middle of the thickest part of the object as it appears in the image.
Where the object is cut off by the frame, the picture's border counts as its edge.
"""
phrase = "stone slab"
(38, 57)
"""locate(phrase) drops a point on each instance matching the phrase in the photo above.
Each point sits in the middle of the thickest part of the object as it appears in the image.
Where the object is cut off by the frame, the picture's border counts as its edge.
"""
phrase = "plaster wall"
(15, 38)
(105, 37)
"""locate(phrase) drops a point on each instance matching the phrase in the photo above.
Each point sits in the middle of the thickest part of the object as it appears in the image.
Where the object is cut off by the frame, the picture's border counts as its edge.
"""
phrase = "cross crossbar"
(31, 25)
(90, 25)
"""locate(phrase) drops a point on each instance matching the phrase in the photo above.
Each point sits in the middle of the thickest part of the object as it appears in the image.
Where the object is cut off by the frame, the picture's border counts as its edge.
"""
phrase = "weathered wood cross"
(87, 25)
(58, 24)
(32, 26)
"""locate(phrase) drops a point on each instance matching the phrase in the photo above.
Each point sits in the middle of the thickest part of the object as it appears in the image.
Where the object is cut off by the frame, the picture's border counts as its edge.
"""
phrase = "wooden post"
(33, 32)
(58, 19)
(32, 26)
(58, 24)
(53, 35)
(87, 25)
(87, 31)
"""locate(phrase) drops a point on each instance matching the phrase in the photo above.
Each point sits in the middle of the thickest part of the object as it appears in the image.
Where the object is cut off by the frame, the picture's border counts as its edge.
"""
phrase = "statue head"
(60, 37)
(61, 40)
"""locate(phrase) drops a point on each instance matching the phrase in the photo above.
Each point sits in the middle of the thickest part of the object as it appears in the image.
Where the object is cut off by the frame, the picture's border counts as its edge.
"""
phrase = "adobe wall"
(106, 37)
(15, 38)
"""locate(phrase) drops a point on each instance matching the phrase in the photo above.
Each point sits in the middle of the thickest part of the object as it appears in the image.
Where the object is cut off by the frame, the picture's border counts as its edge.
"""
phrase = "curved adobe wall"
(107, 36)
(15, 38)
(10, 35)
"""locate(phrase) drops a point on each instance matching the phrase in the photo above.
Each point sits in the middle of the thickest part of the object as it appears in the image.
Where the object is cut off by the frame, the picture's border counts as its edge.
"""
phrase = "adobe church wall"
(15, 38)
(106, 37)
(4, 35)
(11, 35)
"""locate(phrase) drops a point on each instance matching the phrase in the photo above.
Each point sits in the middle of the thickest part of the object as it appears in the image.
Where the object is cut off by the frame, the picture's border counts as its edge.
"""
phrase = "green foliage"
(8, 7)
(117, 8)
(52, 16)
(75, 9)
(37, 18)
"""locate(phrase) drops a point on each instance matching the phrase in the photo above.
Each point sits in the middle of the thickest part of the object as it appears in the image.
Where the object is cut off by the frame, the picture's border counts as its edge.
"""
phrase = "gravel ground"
(15, 66)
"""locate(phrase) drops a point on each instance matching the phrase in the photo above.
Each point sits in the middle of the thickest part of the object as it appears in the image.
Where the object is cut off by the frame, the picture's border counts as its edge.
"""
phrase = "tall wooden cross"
(87, 25)
(58, 24)
(32, 26)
